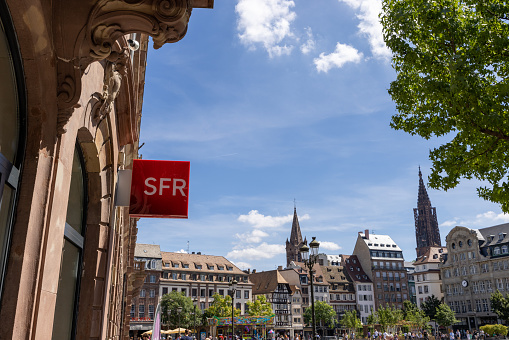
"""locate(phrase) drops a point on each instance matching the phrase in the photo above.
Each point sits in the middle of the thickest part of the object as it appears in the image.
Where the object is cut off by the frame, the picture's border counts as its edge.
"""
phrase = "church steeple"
(295, 243)
(295, 235)
(427, 233)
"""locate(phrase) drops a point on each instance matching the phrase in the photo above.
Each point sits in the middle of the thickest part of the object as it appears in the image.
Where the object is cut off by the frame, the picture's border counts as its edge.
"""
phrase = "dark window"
(64, 326)
(12, 130)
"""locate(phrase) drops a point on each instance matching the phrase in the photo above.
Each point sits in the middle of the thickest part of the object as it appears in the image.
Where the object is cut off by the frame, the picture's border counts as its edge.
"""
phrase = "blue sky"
(276, 100)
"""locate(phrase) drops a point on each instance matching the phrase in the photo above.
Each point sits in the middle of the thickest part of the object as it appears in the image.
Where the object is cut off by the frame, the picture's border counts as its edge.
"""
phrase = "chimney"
(192, 252)
(279, 267)
(198, 253)
(366, 234)
(254, 271)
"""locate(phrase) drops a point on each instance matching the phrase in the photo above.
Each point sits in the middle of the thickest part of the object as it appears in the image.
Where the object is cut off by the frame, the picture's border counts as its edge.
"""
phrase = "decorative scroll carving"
(87, 31)
(113, 74)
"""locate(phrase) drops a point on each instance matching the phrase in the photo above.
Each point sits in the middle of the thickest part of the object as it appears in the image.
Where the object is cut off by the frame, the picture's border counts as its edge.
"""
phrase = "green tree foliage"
(429, 307)
(372, 318)
(169, 314)
(500, 305)
(388, 317)
(324, 314)
(445, 316)
(221, 307)
(351, 321)
(416, 319)
(260, 306)
(451, 59)
(493, 330)
(409, 308)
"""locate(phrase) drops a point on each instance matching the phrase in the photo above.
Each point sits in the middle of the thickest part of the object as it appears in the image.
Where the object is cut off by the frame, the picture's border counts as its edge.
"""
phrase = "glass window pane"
(66, 294)
(9, 119)
(6, 202)
(76, 193)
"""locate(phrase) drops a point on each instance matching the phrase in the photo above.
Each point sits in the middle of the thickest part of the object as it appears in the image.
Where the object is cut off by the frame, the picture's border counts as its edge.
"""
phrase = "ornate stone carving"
(87, 31)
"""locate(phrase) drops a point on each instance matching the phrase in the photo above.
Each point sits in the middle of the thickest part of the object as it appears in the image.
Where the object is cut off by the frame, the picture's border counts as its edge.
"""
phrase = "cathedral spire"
(295, 235)
(295, 243)
(427, 233)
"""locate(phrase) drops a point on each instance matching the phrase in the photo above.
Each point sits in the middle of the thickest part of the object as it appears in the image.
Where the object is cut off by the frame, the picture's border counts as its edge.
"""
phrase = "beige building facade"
(427, 276)
(201, 276)
(475, 266)
(72, 95)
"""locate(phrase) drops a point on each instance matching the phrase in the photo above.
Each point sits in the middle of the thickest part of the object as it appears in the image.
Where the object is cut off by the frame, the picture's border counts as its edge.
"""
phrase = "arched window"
(64, 324)
(496, 251)
(12, 130)
(504, 249)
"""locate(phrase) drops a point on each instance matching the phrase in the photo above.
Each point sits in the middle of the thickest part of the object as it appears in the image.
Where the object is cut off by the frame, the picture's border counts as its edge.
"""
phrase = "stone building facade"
(201, 276)
(383, 262)
(72, 95)
(342, 295)
(475, 266)
(428, 280)
(364, 289)
(144, 303)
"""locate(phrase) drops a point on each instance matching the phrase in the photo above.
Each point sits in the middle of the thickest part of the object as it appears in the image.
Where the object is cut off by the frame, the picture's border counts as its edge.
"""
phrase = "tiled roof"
(495, 231)
(380, 242)
(195, 260)
(147, 250)
(432, 255)
(266, 282)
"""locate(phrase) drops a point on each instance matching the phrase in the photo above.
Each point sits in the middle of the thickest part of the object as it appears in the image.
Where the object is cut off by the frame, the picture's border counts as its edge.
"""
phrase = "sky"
(280, 103)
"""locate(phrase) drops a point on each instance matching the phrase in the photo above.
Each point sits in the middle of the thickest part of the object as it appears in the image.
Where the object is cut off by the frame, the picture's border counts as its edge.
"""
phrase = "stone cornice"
(88, 31)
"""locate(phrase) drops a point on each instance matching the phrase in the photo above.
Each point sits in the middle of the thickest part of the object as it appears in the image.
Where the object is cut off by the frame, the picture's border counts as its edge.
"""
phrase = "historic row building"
(427, 277)
(475, 266)
(145, 298)
(382, 259)
(201, 276)
(73, 74)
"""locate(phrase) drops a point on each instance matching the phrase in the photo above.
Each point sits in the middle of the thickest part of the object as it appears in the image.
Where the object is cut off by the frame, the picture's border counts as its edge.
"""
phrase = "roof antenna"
(188, 247)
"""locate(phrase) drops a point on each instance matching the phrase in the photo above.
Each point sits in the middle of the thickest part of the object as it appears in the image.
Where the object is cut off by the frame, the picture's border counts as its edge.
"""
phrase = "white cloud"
(483, 220)
(266, 23)
(243, 265)
(370, 26)
(309, 45)
(329, 245)
(252, 237)
(342, 55)
(263, 251)
(449, 223)
(258, 220)
(181, 251)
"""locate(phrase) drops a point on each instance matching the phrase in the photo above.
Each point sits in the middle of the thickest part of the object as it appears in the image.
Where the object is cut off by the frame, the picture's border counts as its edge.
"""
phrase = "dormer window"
(229, 268)
(175, 265)
(501, 236)
(198, 266)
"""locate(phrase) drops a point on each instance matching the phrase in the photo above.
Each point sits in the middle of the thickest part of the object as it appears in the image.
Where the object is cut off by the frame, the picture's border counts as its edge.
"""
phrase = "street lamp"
(233, 286)
(195, 302)
(309, 261)
(179, 310)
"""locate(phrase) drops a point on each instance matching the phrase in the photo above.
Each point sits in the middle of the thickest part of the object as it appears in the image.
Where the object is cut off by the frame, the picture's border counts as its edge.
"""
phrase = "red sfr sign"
(159, 189)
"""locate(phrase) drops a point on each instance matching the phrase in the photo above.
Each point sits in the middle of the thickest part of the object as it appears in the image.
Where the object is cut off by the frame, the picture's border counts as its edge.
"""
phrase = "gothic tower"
(295, 243)
(426, 223)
